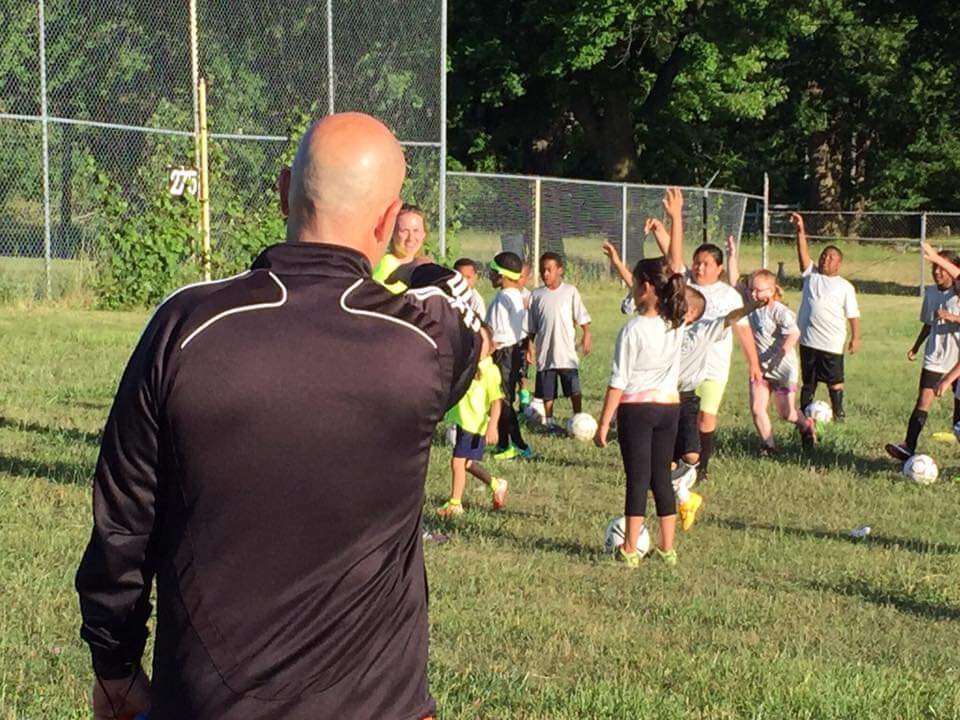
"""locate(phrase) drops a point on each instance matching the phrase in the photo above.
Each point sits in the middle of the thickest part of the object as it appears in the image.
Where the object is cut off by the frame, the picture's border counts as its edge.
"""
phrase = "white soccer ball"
(819, 411)
(921, 469)
(582, 427)
(535, 412)
(617, 531)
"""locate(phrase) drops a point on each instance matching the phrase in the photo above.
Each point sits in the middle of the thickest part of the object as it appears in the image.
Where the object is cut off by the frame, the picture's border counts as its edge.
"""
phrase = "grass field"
(772, 612)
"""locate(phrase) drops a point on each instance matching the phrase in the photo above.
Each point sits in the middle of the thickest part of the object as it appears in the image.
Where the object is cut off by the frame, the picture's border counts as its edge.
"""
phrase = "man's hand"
(600, 439)
(796, 219)
(121, 699)
(673, 203)
(854, 345)
(911, 354)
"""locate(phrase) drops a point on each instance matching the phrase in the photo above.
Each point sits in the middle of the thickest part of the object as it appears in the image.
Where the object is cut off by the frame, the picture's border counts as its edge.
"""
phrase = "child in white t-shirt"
(827, 304)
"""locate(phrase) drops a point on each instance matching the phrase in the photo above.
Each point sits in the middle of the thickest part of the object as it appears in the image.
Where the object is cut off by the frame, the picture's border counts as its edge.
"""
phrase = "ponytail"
(670, 288)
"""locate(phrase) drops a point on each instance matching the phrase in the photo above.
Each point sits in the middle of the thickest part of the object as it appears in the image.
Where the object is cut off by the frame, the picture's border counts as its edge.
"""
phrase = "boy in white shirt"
(468, 268)
(828, 302)
(556, 309)
(507, 318)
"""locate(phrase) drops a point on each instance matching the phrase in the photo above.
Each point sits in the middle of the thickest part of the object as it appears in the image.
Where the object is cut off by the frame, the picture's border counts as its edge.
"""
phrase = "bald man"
(264, 461)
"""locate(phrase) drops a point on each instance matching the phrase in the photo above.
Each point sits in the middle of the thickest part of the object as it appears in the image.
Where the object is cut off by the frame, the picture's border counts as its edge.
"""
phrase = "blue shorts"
(469, 445)
(547, 383)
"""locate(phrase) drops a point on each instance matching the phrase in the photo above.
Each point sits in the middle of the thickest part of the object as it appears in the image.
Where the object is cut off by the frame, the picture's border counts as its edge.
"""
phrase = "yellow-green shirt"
(472, 413)
(385, 268)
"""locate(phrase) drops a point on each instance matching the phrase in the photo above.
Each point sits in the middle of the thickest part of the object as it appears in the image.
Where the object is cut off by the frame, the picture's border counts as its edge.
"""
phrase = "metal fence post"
(442, 209)
(623, 226)
(764, 249)
(204, 181)
(45, 139)
(330, 74)
(536, 228)
(923, 239)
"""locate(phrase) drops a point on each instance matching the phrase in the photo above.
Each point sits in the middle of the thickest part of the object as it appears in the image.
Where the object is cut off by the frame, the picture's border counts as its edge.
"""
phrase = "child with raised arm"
(476, 417)
(942, 351)
(775, 333)
(828, 302)
(642, 394)
(507, 318)
(556, 311)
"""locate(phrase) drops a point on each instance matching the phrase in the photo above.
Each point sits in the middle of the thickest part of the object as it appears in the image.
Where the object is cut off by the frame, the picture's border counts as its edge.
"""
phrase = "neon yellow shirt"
(472, 413)
(385, 268)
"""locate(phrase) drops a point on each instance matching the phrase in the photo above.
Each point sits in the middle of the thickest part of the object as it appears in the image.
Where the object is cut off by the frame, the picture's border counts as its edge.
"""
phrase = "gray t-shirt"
(554, 318)
(476, 303)
(828, 301)
(942, 351)
(721, 301)
(697, 341)
(771, 325)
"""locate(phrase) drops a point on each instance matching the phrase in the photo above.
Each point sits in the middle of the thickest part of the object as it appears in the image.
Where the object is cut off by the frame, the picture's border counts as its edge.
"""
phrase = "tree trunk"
(825, 171)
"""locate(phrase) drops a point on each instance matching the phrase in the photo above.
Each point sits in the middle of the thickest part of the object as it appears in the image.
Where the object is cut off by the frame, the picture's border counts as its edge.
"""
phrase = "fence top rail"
(859, 213)
(851, 238)
(605, 183)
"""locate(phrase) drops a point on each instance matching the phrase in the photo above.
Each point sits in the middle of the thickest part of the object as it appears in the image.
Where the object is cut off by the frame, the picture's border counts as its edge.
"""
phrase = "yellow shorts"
(710, 393)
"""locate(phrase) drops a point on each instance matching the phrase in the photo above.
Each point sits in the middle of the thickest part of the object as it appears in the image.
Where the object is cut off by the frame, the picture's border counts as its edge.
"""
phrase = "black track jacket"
(265, 460)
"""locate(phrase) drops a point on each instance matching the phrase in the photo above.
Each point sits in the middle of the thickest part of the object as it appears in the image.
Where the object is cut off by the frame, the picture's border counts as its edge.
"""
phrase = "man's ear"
(384, 229)
(283, 187)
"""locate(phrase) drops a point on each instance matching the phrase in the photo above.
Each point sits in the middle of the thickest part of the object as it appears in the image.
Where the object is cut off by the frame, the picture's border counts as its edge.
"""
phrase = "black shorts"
(508, 361)
(688, 430)
(547, 383)
(820, 366)
(929, 379)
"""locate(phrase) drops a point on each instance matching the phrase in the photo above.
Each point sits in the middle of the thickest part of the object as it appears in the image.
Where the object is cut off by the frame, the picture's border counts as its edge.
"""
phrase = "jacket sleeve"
(116, 572)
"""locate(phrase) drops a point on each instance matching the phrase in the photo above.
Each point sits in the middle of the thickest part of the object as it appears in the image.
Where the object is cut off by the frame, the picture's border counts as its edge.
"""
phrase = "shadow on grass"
(52, 432)
(828, 454)
(867, 287)
(922, 547)
(64, 473)
(901, 602)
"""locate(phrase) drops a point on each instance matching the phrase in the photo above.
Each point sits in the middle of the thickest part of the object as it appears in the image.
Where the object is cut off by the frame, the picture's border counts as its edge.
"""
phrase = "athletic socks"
(836, 402)
(806, 395)
(707, 443)
(918, 418)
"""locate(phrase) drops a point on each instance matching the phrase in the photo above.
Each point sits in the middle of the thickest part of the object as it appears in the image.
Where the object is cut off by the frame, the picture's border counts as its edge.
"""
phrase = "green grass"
(772, 612)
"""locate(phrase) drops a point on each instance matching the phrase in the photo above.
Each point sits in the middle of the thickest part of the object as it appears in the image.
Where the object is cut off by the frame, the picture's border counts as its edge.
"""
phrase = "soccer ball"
(617, 531)
(451, 435)
(535, 412)
(921, 469)
(819, 411)
(582, 427)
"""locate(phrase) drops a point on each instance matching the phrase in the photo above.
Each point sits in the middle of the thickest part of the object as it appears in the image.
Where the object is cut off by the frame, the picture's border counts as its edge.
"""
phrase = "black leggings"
(509, 360)
(647, 433)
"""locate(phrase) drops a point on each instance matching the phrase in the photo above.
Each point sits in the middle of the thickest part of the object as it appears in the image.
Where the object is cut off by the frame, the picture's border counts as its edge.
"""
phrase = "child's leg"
(918, 418)
(759, 401)
(459, 468)
(636, 435)
(808, 374)
(514, 432)
(546, 388)
(571, 388)
(662, 439)
(479, 472)
(786, 402)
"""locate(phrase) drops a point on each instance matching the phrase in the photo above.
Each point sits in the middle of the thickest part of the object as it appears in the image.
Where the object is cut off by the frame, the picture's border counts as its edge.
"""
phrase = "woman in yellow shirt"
(405, 246)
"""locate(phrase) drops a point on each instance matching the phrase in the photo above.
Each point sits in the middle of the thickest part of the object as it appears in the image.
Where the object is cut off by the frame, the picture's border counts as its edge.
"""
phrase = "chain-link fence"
(98, 106)
(881, 249)
(490, 213)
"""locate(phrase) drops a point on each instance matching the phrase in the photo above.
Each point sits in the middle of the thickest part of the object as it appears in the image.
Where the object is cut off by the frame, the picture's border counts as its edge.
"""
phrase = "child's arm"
(741, 312)
(587, 341)
(947, 316)
(610, 403)
(742, 330)
(803, 249)
(655, 227)
(949, 379)
(931, 254)
(610, 250)
(733, 265)
(921, 337)
(854, 345)
(493, 436)
(673, 204)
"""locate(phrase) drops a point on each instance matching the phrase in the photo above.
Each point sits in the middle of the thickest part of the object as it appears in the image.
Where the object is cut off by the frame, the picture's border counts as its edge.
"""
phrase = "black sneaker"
(702, 476)
(766, 451)
(898, 452)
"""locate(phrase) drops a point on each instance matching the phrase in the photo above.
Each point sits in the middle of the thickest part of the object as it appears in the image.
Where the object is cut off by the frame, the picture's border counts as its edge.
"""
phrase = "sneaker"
(500, 494)
(631, 560)
(669, 557)
(688, 510)
(526, 453)
(702, 475)
(767, 451)
(898, 452)
(450, 510)
(509, 454)
(683, 476)
(436, 538)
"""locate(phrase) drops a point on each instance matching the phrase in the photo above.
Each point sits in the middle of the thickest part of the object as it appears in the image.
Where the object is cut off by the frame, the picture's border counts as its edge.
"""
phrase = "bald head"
(345, 184)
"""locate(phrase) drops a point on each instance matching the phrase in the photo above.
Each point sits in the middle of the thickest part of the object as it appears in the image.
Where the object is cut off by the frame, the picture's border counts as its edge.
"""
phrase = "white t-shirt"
(771, 325)
(697, 341)
(942, 351)
(721, 301)
(554, 318)
(475, 300)
(646, 357)
(507, 317)
(828, 301)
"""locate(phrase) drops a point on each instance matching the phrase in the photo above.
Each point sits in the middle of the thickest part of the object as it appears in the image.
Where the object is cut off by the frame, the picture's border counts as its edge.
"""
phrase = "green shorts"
(710, 393)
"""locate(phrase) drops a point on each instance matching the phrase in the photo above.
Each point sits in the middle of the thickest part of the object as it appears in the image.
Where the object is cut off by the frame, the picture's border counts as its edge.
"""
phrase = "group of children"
(671, 364)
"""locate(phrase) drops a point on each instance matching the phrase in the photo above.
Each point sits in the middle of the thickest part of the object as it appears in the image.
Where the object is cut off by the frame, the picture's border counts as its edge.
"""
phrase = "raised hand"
(673, 202)
(796, 220)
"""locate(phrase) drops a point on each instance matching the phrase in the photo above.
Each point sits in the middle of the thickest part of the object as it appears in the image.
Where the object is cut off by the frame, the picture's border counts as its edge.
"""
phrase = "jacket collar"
(309, 258)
